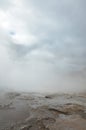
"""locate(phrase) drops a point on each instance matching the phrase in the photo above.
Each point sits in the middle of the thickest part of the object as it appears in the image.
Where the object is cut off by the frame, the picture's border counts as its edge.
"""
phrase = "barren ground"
(35, 111)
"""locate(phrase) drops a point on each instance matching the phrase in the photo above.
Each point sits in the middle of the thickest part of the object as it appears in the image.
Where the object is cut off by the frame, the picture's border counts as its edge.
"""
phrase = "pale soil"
(34, 111)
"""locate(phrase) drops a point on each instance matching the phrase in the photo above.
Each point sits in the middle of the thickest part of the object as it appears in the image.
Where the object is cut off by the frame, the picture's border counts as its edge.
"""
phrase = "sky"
(43, 45)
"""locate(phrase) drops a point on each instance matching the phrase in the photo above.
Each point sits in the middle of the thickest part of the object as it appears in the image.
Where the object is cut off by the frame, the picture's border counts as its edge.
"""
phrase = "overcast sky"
(43, 45)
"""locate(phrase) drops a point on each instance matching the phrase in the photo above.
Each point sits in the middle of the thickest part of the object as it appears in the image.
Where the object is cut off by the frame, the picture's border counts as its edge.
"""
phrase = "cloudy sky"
(43, 45)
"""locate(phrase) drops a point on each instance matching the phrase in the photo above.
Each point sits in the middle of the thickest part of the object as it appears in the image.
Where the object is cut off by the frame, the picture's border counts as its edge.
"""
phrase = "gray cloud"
(43, 44)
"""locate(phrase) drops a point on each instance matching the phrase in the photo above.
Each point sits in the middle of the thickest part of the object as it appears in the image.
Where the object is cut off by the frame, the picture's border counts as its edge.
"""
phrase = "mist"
(42, 46)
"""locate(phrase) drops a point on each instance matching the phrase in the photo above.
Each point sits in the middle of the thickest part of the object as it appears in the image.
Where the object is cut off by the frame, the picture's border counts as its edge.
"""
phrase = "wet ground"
(35, 111)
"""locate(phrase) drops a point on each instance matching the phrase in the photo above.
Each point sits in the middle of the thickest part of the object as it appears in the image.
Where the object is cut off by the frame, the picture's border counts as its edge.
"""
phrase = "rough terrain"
(36, 111)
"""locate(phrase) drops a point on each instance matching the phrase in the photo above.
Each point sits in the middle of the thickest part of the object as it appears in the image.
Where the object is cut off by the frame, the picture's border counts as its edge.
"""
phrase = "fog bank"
(42, 45)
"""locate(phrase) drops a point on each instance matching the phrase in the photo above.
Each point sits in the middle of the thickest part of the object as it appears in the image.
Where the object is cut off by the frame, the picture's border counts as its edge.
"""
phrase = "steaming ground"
(43, 82)
(42, 65)
(37, 75)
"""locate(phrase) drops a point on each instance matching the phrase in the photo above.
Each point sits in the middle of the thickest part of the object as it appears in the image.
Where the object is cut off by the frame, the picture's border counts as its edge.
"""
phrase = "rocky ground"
(35, 111)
